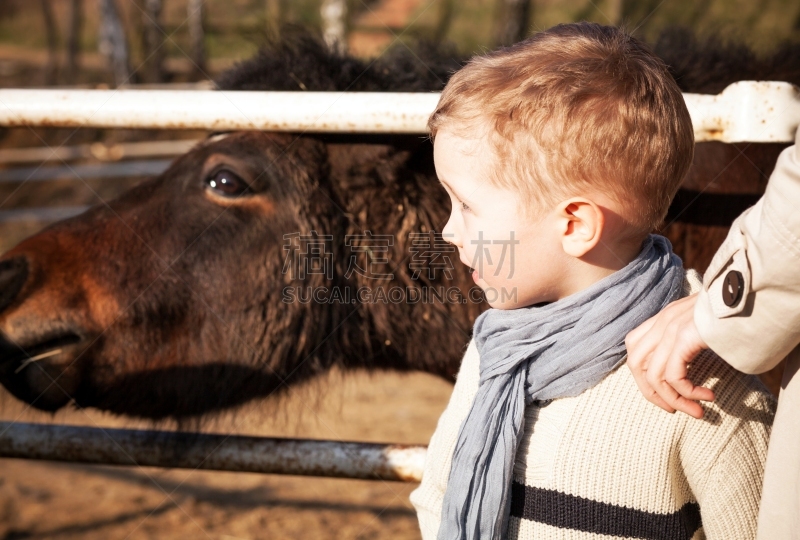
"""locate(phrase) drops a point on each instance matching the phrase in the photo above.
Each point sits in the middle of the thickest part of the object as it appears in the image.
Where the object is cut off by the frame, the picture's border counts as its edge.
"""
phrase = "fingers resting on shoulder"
(660, 351)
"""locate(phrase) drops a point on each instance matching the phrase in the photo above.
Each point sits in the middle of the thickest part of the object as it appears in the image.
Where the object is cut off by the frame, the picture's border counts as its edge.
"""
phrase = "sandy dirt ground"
(67, 501)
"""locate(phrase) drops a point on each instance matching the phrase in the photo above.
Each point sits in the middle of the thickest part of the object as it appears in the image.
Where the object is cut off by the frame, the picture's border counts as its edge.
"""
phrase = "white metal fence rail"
(745, 111)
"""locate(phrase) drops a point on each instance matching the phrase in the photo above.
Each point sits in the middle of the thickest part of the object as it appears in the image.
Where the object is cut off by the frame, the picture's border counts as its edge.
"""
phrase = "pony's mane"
(302, 61)
(707, 66)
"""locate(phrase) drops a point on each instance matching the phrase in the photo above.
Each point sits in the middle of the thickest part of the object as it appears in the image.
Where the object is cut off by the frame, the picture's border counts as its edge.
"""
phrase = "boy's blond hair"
(599, 110)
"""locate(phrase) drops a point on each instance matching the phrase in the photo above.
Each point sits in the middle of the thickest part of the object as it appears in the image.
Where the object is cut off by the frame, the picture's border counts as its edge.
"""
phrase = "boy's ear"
(580, 223)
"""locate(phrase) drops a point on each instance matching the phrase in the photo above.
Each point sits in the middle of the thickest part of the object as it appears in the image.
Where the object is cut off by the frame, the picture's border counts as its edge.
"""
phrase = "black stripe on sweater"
(573, 512)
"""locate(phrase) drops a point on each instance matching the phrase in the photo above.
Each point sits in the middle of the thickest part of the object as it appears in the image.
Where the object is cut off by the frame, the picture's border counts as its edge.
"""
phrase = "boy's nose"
(449, 233)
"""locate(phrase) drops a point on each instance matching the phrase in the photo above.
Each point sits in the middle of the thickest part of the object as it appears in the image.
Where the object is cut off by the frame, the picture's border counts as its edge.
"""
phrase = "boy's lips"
(473, 272)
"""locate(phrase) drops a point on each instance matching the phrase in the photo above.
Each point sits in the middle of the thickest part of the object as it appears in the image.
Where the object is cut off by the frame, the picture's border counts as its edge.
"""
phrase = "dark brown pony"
(184, 295)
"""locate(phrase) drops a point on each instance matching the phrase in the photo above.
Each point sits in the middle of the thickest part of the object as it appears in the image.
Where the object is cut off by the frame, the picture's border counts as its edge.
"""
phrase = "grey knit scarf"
(539, 353)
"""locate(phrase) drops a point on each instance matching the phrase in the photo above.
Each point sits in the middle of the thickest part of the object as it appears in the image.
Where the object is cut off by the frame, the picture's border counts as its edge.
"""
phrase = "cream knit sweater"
(609, 464)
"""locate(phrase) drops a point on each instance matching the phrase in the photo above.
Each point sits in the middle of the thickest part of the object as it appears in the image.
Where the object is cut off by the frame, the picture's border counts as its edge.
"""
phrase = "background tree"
(197, 38)
(446, 13)
(51, 68)
(616, 11)
(273, 13)
(152, 41)
(513, 21)
(75, 24)
(334, 23)
(113, 43)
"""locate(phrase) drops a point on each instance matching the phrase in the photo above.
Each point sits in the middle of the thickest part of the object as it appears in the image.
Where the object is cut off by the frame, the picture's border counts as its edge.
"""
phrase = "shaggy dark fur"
(302, 62)
(175, 294)
(707, 66)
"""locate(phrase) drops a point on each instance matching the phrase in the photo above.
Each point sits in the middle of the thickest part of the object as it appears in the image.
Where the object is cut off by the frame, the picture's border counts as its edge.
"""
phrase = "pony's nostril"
(13, 274)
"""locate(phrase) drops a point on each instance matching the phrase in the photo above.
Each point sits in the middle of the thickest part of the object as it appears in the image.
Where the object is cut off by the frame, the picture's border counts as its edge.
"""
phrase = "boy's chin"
(499, 298)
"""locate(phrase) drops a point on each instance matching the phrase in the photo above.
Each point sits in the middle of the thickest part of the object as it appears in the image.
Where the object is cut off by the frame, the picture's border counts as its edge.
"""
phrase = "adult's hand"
(659, 353)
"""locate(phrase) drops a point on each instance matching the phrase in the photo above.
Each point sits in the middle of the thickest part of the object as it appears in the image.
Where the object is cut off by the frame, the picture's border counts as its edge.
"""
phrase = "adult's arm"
(748, 311)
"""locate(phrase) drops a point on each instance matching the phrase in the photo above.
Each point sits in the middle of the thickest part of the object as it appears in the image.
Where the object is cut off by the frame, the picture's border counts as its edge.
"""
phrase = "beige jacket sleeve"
(428, 497)
(748, 311)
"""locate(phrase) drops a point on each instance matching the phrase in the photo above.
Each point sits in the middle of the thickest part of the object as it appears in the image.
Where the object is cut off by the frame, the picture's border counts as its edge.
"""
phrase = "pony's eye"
(226, 183)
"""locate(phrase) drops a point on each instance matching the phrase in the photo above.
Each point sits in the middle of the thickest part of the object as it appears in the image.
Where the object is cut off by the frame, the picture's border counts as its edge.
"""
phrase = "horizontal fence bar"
(98, 151)
(125, 169)
(42, 214)
(304, 457)
(745, 111)
(344, 112)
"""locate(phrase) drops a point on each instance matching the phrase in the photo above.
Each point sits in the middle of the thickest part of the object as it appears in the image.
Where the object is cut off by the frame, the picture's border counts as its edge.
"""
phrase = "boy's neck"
(597, 264)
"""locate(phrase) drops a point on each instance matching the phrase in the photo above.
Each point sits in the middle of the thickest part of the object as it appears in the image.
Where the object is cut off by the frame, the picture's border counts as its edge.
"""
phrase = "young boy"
(572, 144)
